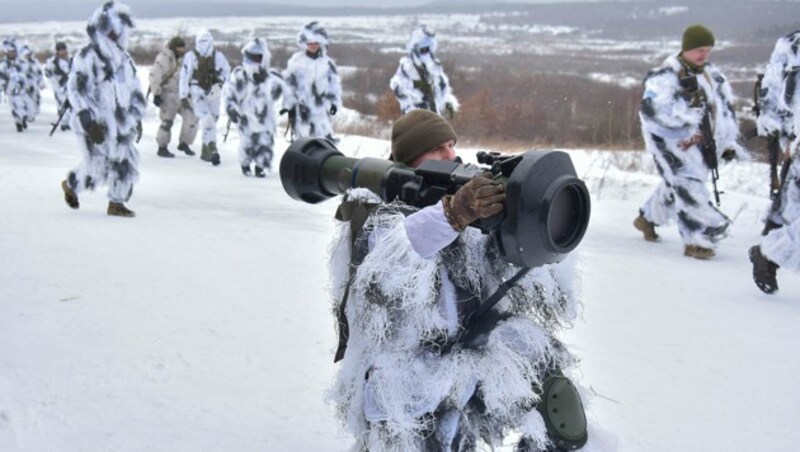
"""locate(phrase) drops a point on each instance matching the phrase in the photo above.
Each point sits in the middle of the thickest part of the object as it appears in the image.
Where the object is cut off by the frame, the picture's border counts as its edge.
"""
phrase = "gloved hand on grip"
(96, 131)
(481, 197)
(728, 154)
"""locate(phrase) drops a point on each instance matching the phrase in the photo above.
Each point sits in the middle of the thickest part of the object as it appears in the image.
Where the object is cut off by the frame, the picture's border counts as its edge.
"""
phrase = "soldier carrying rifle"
(778, 121)
(688, 123)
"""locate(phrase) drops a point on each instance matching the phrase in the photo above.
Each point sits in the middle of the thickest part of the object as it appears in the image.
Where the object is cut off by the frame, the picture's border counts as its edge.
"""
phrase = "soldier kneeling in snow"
(415, 375)
(680, 96)
(109, 104)
(250, 95)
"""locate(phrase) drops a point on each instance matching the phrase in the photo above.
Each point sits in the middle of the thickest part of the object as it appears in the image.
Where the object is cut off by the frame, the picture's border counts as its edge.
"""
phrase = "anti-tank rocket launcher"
(546, 211)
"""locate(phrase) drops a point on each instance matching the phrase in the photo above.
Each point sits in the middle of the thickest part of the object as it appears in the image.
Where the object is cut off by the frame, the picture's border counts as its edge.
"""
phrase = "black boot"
(25, 123)
(770, 226)
(65, 127)
(19, 127)
(164, 152)
(185, 148)
(260, 172)
(246, 170)
(764, 271)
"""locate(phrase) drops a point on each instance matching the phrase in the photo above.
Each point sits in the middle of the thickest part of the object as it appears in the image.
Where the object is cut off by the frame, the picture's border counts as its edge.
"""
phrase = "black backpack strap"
(356, 212)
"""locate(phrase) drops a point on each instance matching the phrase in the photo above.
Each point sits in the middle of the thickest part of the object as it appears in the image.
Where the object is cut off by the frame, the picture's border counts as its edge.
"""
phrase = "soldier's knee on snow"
(562, 411)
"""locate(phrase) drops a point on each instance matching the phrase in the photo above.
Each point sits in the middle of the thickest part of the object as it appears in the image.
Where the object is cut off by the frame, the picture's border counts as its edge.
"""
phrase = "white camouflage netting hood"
(9, 45)
(111, 17)
(204, 43)
(25, 51)
(313, 32)
(257, 46)
(421, 37)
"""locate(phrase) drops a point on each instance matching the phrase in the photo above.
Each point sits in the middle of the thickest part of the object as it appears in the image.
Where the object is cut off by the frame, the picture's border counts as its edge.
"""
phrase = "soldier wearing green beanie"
(164, 79)
(418, 132)
(689, 125)
(696, 36)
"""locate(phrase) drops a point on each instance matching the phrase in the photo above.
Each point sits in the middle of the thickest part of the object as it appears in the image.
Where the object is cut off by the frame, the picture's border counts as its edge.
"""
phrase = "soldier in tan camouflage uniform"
(164, 78)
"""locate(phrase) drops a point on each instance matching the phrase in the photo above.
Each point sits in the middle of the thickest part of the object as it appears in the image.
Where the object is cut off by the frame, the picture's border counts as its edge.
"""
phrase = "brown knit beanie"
(417, 132)
(696, 36)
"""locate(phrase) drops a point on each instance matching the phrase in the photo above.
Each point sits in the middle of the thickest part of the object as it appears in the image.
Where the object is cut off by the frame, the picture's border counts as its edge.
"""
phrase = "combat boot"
(118, 209)
(246, 170)
(648, 228)
(764, 271)
(260, 172)
(19, 127)
(770, 225)
(185, 148)
(698, 252)
(164, 152)
(205, 154)
(215, 160)
(70, 197)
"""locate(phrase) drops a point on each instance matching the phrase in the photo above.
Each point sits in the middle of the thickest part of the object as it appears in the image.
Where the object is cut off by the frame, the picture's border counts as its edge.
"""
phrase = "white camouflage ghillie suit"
(164, 80)
(409, 380)
(108, 102)
(203, 72)
(35, 82)
(780, 118)
(14, 83)
(57, 69)
(315, 88)
(250, 95)
(671, 117)
(420, 81)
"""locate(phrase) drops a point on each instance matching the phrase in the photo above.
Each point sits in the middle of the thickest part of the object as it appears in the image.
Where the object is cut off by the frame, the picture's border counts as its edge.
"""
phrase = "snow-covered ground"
(205, 324)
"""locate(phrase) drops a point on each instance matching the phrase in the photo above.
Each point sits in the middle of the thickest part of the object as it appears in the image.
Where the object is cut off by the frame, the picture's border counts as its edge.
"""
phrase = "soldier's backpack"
(206, 72)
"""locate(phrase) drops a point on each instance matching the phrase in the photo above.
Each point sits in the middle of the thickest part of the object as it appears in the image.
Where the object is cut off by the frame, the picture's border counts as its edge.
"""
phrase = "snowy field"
(204, 323)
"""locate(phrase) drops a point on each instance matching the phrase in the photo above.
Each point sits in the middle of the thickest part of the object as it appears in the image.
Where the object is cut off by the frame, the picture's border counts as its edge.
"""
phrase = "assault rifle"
(227, 131)
(61, 112)
(709, 146)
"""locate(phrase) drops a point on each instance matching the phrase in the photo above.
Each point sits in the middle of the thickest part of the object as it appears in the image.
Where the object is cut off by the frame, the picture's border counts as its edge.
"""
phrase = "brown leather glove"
(481, 197)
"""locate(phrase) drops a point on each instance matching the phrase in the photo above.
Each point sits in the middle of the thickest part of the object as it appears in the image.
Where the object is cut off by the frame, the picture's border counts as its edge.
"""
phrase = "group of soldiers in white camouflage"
(689, 124)
(21, 82)
(99, 96)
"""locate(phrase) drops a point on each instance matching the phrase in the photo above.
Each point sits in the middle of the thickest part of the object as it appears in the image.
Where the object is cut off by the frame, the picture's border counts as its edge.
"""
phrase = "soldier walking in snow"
(420, 81)
(779, 121)
(35, 77)
(164, 80)
(203, 72)
(316, 91)
(14, 83)
(416, 373)
(109, 104)
(688, 123)
(250, 95)
(56, 69)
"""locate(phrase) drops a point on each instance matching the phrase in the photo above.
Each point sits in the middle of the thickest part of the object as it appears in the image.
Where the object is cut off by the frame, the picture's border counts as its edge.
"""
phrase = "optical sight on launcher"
(546, 211)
